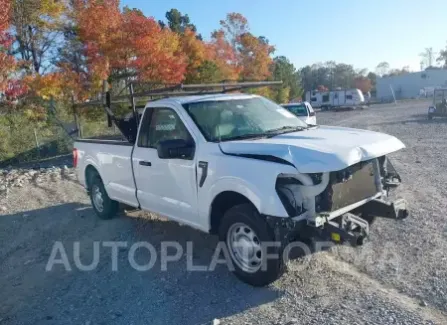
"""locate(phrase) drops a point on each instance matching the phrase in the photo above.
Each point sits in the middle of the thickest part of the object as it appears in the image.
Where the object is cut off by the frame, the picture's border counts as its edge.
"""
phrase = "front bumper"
(350, 227)
(353, 229)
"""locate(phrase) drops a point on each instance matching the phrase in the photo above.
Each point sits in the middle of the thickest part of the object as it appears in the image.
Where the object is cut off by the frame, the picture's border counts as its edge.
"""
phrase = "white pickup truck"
(244, 168)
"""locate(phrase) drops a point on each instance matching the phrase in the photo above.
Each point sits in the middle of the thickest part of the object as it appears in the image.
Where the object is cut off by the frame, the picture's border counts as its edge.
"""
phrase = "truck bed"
(111, 158)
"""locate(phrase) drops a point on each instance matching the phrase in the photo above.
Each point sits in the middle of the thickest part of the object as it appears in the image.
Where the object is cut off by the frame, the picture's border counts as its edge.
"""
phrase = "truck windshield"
(298, 109)
(224, 120)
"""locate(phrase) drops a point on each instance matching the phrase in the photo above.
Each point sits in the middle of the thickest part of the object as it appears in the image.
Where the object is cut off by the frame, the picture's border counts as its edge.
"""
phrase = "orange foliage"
(128, 42)
(238, 53)
(322, 88)
(157, 54)
(7, 62)
(255, 58)
(224, 56)
(97, 33)
(234, 26)
(195, 51)
(5, 9)
(363, 83)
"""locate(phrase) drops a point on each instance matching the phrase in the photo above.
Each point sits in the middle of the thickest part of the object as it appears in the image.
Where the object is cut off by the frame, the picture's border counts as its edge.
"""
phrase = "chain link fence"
(24, 138)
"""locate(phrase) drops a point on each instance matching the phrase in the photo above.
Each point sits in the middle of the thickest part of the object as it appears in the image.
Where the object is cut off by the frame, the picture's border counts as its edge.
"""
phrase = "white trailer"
(336, 99)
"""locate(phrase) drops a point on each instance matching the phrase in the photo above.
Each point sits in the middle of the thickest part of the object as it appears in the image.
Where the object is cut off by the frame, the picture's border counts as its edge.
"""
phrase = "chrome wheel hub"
(98, 200)
(245, 248)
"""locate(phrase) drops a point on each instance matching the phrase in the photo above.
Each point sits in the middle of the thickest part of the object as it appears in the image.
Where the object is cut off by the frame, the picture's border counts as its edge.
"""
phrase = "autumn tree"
(363, 83)
(239, 53)
(128, 43)
(196, 53)
(233, 27)
(224, 56)
(225, 45)
(7, 62)
(37, 29)
(254, 57)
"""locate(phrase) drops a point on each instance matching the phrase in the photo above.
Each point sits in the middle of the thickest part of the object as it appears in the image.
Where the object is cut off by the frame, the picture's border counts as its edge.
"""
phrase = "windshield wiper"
(286, 129)
(267, 134)
(247, 136)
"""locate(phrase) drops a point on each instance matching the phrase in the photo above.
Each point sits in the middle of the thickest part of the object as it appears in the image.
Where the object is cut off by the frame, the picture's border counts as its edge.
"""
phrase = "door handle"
(145, 163)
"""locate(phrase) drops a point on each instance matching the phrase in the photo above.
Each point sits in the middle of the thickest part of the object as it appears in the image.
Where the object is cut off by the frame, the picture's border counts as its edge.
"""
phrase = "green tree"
(71, 52)
(178, 22)
(382, 68)
(329, 75)
(284, 70)
(443, 58)
(207, 72)
(373, 77)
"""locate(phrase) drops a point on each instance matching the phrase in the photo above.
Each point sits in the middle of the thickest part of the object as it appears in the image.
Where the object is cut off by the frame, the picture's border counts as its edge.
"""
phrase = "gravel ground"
(398, 277)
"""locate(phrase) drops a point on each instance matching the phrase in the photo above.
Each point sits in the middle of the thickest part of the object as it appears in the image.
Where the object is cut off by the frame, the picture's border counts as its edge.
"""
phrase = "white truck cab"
(244, 168)
(303, 111)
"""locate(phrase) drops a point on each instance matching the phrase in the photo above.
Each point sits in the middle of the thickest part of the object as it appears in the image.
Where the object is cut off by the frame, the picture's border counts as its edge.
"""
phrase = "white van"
(303, 110)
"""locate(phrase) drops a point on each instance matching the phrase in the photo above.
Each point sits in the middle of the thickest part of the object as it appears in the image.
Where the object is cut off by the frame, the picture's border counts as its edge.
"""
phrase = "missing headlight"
(290, 195)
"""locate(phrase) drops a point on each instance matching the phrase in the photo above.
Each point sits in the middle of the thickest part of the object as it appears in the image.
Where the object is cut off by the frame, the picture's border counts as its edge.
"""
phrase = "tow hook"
(390, 210)
(349, 229)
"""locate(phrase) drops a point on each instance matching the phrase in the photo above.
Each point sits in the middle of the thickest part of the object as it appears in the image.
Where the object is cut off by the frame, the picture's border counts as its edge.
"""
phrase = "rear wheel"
(249, 240)
(105, 208)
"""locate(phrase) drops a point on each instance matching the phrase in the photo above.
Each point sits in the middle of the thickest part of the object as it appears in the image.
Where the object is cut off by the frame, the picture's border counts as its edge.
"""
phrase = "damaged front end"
(340, 205)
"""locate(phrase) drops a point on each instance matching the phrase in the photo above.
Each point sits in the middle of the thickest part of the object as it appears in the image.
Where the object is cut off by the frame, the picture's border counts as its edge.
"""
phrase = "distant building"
(411, 85)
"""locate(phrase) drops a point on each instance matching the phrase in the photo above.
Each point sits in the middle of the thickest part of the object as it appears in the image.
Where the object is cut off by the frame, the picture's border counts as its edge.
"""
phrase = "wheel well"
(89, 172)
(221, 204)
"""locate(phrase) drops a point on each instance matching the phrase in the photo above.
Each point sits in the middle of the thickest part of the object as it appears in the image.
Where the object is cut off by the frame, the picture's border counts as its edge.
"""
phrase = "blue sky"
(358, 32)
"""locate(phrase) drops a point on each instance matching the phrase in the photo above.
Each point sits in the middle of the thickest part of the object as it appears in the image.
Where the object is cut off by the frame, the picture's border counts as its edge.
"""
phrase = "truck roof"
(294, 104)
(202, 98)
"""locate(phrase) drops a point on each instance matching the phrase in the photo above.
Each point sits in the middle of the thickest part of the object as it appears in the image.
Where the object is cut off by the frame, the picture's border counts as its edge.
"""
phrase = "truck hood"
(320, 149)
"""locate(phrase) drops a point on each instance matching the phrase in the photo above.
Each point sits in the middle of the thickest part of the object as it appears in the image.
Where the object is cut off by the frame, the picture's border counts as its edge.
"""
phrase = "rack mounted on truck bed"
(128, 125)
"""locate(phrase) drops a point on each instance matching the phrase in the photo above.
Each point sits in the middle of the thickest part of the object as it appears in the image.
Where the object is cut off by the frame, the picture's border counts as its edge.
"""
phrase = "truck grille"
(346, 187)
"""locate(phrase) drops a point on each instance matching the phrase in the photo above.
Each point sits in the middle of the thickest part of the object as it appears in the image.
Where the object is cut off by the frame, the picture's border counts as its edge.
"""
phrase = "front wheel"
(256, 257)
(104, 206)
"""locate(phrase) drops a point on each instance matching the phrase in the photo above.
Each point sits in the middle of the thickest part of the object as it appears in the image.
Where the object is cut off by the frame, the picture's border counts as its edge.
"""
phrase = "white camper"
(336, 99)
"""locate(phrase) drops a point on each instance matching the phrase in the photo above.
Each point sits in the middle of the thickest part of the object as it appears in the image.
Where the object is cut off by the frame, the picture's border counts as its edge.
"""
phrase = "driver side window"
(164, 124)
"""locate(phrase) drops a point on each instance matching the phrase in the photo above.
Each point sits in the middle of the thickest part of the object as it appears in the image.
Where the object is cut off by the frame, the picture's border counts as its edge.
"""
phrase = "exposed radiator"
(346, 187)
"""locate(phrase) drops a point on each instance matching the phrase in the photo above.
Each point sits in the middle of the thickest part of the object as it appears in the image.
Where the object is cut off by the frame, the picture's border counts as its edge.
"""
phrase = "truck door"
(165, 186)
(312, 119)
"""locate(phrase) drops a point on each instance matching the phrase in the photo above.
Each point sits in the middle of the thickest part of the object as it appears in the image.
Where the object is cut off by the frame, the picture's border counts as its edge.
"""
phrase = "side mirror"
(175, 149)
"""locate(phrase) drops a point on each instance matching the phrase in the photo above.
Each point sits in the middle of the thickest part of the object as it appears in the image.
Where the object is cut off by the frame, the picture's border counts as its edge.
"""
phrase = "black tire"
(430, 117)
(109, 206)
(270, 269)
